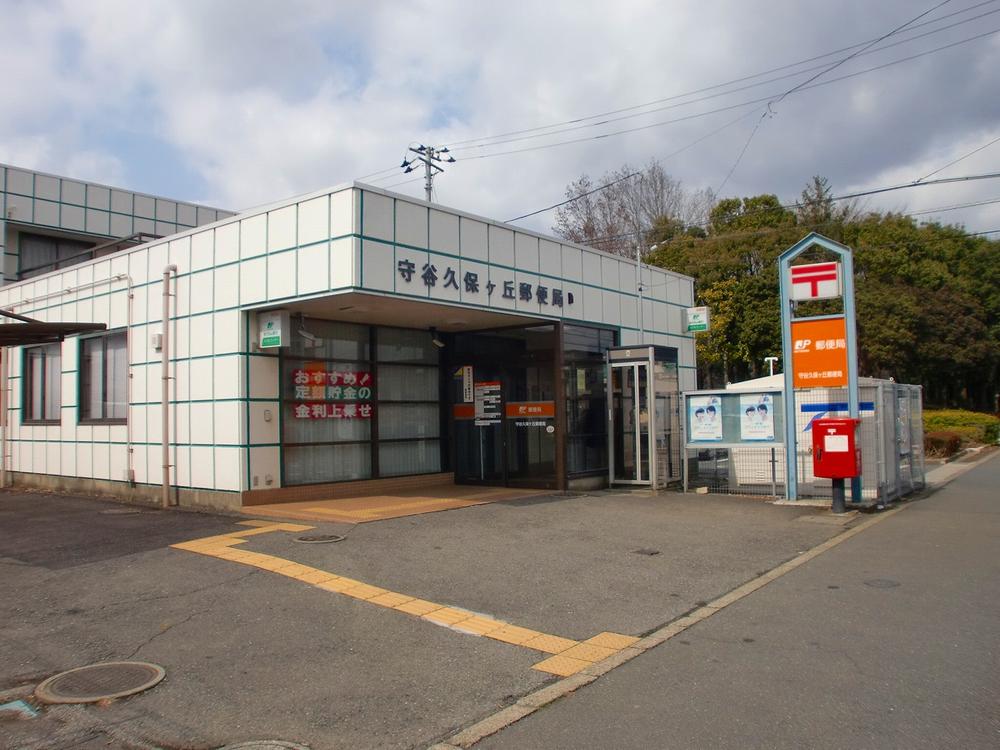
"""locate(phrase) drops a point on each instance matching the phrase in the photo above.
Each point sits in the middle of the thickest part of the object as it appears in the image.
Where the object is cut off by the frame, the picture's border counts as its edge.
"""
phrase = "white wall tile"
(201, 291)
(253, 281)
(501, 246)
(281, 225)
(474, 238)
(227, 287)
(500, 276)
(19, 181)
(228, 377)
(376, 216)
(229, 422)
(549, 258)
(314, 218)
(202, 462)
(203, 415)
(612, 307)
(187, 215)
(143, 206)
(281, 275)
(481, 270)
(591, 268)
(121, 226)
(98, 222)
(202, 249)
(531, 305)
(98, 197)
(228, 469)
(379, 268)
(253, 236)
(166, 210)
(313, 267)
(262, 428)
(343, 220)
(525, 252)
(227, 331)
(411, 224)
(263, 377)
(342, 263)
(46, 212)
(419, 259)
(265, 468)
(227, 243)
(47, 187)
(202, 378)
(448, 286)
(74, 192)
(610, 276)
(444, 233)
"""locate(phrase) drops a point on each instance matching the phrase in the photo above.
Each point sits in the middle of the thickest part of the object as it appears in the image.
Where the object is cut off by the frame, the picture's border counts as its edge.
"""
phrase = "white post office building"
(318, 345)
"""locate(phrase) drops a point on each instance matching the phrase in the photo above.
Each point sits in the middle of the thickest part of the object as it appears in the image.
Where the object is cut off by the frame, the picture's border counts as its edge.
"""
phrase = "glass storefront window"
(585, 373)
(348, 415)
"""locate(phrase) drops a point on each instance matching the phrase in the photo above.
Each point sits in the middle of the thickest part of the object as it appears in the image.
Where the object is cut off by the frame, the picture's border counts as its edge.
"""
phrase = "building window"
(39, 254)
(359, 403)
(103, 374)
(585, 373)
(42, 383)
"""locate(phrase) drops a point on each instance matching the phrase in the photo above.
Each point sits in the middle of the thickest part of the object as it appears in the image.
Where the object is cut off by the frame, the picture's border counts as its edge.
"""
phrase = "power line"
(847, 196)
(724, 84)
(727, 108)
(956, 161)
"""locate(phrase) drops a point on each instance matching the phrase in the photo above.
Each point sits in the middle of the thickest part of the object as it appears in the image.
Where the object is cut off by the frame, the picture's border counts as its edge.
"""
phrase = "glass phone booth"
(644, 416)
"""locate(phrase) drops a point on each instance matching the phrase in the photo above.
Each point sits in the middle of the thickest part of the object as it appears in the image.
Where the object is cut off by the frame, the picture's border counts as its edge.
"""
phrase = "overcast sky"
(242, 102)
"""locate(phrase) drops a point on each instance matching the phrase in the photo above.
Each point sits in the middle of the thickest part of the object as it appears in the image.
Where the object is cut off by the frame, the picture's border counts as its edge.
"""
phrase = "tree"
(612, 219)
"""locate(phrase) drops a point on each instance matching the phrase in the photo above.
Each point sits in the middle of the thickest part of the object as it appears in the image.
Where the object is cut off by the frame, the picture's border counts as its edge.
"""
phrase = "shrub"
(942, 443)
(971, 426)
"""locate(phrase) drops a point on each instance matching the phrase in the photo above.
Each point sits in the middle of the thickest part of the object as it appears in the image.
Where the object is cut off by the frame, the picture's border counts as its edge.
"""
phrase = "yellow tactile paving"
(588, 652)
(365, 591)
(513, 634)
(390, 600)
(564, 666)
(418, 607)
(569, 656)
(550, 644)
(479, 625)
(615, 641)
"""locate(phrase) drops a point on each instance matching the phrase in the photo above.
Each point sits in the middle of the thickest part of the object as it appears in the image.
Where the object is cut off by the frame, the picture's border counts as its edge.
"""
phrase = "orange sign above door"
(819, 353)
(524, 409)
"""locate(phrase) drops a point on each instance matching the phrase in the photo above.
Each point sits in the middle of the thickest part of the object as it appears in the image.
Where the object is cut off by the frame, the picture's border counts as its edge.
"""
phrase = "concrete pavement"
(889, 640)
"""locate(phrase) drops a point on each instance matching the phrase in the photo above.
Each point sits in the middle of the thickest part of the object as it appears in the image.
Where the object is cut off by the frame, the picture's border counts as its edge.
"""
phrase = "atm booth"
(644, 416)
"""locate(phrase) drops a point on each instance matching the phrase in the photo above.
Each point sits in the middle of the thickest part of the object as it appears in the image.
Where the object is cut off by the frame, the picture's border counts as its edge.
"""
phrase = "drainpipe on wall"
(165, 374)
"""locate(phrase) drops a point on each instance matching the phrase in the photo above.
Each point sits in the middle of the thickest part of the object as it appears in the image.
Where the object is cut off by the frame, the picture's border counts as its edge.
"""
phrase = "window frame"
(26, 383)
(80, 391)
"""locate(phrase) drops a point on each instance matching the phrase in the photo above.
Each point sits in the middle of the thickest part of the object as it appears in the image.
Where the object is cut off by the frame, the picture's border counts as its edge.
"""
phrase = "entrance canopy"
(30, 331)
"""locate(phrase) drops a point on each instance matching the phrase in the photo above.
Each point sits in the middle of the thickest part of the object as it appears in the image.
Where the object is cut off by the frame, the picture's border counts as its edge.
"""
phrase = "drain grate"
(319, 538)
(97, 682)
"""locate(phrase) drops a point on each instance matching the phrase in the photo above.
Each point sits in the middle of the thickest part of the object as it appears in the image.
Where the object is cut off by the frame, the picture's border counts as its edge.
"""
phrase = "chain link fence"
(891, 436)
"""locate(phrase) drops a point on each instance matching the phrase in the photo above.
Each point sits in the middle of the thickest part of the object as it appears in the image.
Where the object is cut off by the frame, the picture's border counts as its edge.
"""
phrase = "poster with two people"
(756, 417)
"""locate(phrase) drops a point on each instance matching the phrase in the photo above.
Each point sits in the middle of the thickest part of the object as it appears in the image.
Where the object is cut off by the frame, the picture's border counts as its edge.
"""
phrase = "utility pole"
(431, 157)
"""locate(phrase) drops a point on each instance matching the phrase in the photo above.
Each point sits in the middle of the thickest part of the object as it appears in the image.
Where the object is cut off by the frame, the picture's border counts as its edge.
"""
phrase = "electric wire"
(742, 79)
(956, 161)
(385, 173)
(751, 102)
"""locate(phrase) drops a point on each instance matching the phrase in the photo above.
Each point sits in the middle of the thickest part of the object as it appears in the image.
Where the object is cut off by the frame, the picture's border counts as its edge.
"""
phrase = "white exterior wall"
(394, 228)
(224, 404)
(87, 209)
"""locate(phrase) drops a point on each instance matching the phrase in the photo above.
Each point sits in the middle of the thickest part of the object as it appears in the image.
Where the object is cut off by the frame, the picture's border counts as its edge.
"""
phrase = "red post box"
(836, 448)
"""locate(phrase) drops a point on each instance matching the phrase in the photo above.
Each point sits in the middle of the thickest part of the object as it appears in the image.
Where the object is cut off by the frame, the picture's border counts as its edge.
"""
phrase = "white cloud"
(259, 100)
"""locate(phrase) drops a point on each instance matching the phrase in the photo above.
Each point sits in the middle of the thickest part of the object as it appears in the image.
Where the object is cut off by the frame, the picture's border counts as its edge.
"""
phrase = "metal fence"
(891, 438)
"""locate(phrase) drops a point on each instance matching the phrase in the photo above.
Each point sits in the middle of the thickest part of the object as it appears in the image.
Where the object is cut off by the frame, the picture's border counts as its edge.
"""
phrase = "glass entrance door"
(629, 400)
(480, 438)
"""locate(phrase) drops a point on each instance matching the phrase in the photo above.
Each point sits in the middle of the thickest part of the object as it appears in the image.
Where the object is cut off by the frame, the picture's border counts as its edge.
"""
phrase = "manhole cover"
(882, 583)
(121, 512)
(319, 538)
(266, 745)
(96, 682)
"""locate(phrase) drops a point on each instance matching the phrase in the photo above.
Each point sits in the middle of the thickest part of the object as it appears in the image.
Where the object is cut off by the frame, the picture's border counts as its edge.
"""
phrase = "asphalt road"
(253, 655)
(889, 640)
